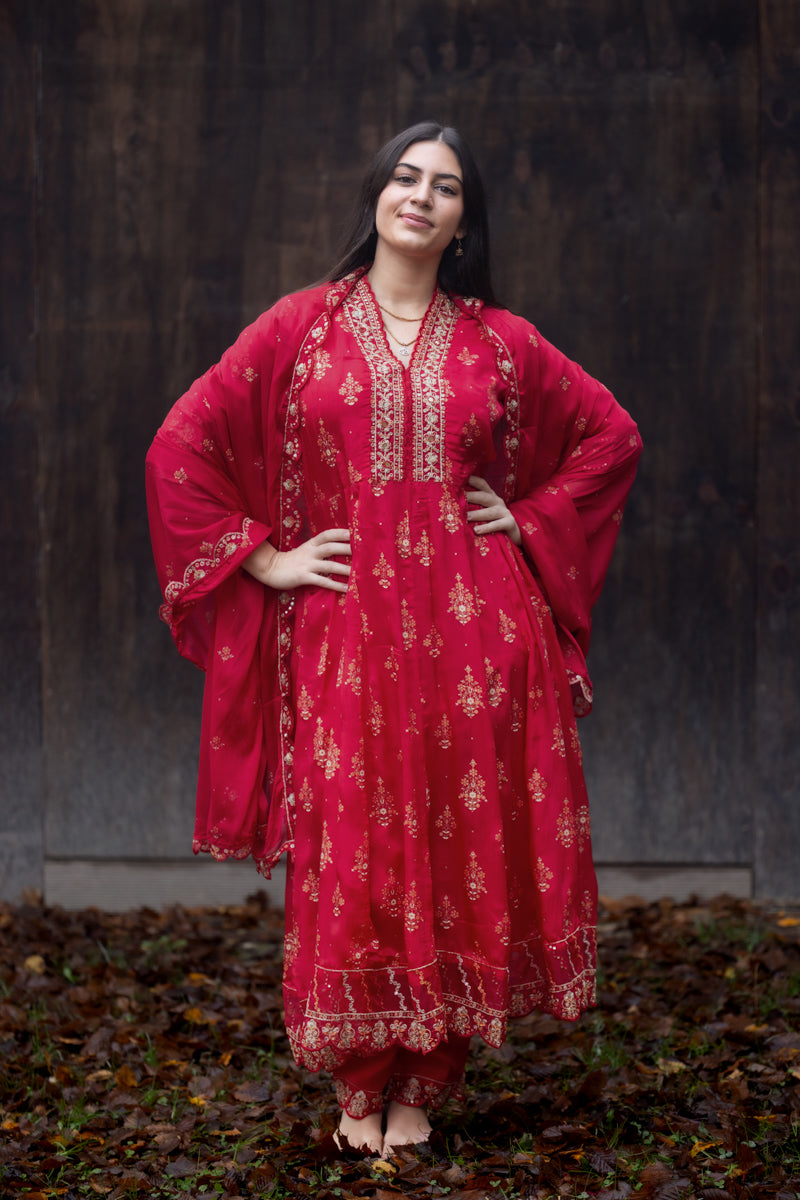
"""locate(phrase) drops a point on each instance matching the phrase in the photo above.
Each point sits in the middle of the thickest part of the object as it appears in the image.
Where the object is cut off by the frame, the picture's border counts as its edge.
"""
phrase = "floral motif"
(472, 792)
(470, 694)
(350, 390)
(446, 823)
(462, 602)
(474, 878)
(424, 549)
(433, 642)
(383, 572)
(403, 537)
(382, 807)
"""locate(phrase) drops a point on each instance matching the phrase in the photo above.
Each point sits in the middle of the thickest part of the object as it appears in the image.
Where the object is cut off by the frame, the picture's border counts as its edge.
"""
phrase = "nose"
(422, 194)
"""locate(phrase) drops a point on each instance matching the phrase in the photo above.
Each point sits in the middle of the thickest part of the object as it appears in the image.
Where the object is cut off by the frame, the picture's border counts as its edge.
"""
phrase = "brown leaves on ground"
(144, 1055)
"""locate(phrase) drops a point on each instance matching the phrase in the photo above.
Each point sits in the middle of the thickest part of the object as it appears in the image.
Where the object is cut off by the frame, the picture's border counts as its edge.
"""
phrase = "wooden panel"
(198, 162)
(20, 629)
(778, 827)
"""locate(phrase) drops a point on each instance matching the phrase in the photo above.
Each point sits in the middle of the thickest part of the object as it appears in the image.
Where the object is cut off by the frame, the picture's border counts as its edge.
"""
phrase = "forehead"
(435, 157)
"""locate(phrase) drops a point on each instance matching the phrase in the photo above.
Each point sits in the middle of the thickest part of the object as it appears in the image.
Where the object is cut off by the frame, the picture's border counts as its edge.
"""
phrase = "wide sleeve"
(578, 454)
(208, 496)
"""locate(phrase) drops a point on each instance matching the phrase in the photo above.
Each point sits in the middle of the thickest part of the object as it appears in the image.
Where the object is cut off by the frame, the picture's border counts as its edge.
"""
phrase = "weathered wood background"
(171, 167)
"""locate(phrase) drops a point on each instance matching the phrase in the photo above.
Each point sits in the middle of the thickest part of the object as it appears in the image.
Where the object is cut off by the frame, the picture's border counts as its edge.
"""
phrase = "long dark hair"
(467, 275)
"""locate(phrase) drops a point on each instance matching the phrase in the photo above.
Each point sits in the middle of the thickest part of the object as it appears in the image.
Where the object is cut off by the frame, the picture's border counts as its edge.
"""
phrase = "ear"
(461, 231)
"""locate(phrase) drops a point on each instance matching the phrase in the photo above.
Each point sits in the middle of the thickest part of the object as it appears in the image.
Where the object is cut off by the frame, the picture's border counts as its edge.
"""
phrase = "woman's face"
(421, 208)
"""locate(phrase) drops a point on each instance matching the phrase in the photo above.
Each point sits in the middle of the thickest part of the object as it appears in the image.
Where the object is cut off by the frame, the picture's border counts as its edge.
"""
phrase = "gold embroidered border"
(366, 326)
(429, 390)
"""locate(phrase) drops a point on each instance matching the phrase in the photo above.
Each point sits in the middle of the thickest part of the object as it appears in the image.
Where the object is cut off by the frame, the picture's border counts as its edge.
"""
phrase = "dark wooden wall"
(171, 167)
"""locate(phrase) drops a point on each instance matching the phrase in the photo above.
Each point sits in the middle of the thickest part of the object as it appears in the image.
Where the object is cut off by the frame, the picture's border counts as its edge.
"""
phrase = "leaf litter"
(144, 1055)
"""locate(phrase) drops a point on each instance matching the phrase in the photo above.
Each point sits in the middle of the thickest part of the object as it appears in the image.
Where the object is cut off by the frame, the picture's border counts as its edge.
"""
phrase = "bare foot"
(361, 1134)
(405, 1126)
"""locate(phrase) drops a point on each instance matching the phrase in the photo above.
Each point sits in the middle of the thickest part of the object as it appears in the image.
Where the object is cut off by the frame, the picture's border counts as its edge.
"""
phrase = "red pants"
(363, 1085)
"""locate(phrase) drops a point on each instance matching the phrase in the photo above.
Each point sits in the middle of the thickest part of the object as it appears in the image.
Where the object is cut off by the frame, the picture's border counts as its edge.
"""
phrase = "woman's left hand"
(493, 513)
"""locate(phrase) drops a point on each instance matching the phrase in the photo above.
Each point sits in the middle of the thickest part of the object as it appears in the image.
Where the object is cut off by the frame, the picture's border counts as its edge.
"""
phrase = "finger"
(482, 498)
(332, 585)
(487, 513)
(491, 527)
(331, 535)
(327, 549)
(331, 568)
(478, 482)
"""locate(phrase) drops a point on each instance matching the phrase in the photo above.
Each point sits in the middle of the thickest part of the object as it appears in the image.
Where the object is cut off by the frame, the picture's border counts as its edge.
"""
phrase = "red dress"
(411, 742)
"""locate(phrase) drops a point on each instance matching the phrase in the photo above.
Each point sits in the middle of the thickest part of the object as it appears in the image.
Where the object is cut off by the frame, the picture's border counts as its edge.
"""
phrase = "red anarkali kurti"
(412, 742)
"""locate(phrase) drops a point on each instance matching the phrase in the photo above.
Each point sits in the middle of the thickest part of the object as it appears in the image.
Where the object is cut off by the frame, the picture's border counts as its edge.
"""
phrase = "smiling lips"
(416, 219)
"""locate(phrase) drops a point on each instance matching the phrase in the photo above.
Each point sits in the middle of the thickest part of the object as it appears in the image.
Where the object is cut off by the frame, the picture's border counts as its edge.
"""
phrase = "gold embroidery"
(411, 822)
(462, 603)
(337, 902)
(537, 785)
(382, 807)
(473, 788)
(311, 886)
(180, 475)
(565, 383)
(575, 744)
(494, 684)
(466, 358)
(543, 875)
(449, 512)
(392, 663)
(403, 538)
(470, 694)
(322, 364)
(447, 913)
(325, 855)
(305, 705)
(225, 653)
(351, 390)
(326, 752)
(408, 625)
(357, 771)
(433, 642)
(424, 549)
(558, 742)
(383, 572)
(361, 860)
(566, 828)
(474, 878)
(470, 432)
(430, 390)
(375, 717)
(517, 715)
(444, 732)
(446, 824)
(392, 894)
(413, 909)
(327, 445)
(306, 796)
(508, 628)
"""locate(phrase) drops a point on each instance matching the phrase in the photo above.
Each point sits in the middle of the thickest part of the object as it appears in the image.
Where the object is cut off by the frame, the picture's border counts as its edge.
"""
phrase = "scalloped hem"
(323, 1043)
(264, 865)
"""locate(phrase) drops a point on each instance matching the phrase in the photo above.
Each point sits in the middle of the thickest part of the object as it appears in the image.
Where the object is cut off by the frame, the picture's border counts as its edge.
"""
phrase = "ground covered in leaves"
(143, 1055)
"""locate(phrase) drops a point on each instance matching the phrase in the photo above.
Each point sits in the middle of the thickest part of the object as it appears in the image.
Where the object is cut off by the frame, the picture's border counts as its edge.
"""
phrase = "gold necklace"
(404, 346)
(411, 320)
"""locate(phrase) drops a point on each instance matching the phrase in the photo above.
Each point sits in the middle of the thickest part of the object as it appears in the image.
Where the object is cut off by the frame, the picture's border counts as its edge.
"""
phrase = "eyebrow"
(441, 175)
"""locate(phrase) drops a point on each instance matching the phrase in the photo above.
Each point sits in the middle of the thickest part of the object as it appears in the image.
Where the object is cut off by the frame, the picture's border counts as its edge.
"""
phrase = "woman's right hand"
(312, 563)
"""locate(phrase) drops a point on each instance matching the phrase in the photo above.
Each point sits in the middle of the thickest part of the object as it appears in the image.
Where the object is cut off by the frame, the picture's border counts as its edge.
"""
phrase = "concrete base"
(118, 885)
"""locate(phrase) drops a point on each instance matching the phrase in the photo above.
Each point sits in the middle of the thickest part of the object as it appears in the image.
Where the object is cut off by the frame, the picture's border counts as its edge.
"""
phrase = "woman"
(381, 522)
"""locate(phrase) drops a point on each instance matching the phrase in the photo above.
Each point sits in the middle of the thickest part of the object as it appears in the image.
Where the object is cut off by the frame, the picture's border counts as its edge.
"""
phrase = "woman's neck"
(402, 284)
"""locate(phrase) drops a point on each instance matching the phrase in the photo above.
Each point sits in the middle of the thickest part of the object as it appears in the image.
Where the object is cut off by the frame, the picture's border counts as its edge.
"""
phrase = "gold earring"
(459, 249)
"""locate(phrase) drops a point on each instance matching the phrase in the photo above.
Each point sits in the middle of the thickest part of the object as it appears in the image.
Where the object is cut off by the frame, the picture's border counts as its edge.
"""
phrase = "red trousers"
(363, 1085)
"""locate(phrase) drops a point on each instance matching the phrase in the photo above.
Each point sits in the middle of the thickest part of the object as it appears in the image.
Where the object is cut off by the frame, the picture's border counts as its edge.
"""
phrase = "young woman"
(381, 522)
